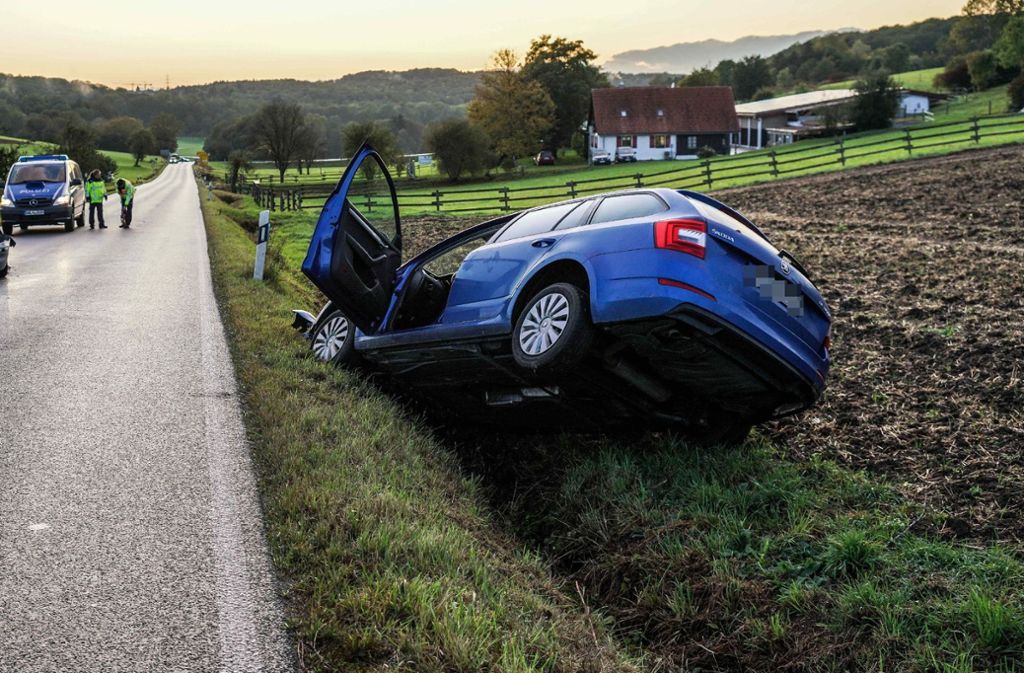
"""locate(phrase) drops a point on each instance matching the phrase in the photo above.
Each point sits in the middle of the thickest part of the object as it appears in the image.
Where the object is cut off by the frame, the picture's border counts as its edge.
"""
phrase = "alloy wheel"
(544, 324)
(330, 338)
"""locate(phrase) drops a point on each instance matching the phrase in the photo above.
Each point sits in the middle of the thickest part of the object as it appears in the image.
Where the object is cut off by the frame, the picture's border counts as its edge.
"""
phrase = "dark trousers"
(95, 208)
(127, 210)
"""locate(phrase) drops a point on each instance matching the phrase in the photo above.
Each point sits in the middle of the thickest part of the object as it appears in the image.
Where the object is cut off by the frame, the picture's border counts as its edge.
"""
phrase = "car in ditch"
(43, 190)
(645, 306)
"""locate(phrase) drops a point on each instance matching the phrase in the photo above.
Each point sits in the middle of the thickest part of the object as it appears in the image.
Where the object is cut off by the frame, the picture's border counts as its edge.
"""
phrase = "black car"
(544, 158)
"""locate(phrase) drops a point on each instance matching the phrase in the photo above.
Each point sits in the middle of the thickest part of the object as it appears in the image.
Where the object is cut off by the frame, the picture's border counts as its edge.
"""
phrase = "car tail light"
(828, 339)
(689, 236)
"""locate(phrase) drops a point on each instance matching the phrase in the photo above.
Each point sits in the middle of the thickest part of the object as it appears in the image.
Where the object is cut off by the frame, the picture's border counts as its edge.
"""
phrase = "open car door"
(355, 251)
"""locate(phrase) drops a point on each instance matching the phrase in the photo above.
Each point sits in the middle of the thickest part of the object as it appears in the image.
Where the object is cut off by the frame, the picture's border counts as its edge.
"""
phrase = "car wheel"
(69, 225)
(80, 220)
(333, 339)
(23, 227)
(553, 331)
(3, 271)
(8, 229)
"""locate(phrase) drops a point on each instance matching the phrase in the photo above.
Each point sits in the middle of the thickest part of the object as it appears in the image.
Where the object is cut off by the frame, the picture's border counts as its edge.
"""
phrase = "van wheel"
(333, 339)
(553, 331)
(69, 225)
(80, 220)
(8, 229)
(23, 227)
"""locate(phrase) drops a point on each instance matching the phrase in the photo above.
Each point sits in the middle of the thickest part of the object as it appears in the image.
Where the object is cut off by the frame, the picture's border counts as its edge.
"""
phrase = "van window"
(32, 172)
(628, 206)
(536, 222)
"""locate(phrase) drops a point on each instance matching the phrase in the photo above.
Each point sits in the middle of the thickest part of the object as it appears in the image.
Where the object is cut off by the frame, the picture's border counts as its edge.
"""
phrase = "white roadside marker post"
(262, 236)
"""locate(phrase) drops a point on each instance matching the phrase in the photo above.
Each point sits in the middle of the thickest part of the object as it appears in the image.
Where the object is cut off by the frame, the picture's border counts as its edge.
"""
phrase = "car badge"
(784, 267)
(33, 202)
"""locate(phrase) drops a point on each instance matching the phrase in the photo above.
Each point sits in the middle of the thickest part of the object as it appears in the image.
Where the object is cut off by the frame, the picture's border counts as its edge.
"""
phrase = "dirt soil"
(922, 264)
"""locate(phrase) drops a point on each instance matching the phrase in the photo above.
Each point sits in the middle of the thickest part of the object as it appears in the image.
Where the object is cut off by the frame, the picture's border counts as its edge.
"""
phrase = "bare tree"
(279, 130)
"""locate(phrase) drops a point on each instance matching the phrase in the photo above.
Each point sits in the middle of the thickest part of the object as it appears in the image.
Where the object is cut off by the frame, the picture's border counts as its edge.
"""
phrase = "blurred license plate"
(30, 213)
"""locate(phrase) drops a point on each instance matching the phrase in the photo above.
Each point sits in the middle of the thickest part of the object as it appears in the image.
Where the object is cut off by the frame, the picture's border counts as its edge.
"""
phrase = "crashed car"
(649, 306)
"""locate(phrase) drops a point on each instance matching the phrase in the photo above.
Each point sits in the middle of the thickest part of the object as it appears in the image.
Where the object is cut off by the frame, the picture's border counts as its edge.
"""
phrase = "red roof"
(652, 109)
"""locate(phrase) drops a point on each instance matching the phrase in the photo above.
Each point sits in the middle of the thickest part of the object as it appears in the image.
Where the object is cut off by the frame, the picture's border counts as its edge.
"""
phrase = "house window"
(691, 142)
(593, 139)
(660, 141)
(625, 141)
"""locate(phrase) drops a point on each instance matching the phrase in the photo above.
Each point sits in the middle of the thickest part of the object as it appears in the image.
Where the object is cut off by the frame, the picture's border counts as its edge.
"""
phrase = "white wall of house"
(913, 104)
(644, 151)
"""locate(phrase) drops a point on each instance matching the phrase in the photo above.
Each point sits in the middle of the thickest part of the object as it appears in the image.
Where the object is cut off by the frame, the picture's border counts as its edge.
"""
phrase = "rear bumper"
(49, 215)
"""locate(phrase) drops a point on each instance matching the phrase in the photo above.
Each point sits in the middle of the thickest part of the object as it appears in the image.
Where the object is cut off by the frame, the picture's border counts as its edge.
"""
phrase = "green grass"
(390, 557)
(568, 552)
(189, 145)
(920, 80)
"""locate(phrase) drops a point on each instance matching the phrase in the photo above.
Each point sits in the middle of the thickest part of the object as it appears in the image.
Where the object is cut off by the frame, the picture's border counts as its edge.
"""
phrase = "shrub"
(459, 147)
(1016, 93)
(955, 75)
(706, 152)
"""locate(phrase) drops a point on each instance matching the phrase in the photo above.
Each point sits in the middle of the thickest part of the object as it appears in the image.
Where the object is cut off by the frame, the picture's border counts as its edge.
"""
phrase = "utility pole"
(167, 81)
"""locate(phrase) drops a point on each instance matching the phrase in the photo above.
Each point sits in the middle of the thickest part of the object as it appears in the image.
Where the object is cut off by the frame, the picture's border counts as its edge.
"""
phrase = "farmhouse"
(662, 122)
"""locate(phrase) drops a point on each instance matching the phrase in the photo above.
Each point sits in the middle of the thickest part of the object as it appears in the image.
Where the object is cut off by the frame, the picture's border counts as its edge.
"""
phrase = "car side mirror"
(76, 182)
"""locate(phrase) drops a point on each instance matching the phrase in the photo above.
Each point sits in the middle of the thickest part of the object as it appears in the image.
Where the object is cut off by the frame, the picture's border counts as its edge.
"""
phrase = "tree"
(238, 163)
(279, 130)
(878, 98)
(8, 155)
(981, 7)
(566, 70)
(141, 144)
(750, 75)
(1015, 91)
(314, 145)
(78, 141)
(515, 112)
(983, 68)
(116, 133)
(11, 120)
(895, 57)
(375, 133)
(784, 79)
(700, 77)
(459, 147)
(1009, 49)
(955, 75)
(165, 128)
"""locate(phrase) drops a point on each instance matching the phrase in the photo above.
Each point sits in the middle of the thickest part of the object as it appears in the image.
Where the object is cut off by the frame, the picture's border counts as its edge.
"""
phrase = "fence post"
(842, 150)
(262, 236)
(707, 172)
(503, 191)
(977, 130)
(910, 141)
(369, 203)
(775, 164)
(270, 198)
(639, 180)
(437, 200)
(572, 189)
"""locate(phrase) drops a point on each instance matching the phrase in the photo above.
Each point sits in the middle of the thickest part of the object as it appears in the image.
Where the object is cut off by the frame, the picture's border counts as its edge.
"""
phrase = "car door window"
(536, 222)
(628, 206)
(576, 217)
(375, 204)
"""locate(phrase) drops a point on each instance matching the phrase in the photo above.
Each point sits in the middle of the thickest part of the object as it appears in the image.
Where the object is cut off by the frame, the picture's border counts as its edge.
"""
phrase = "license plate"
(30, 213)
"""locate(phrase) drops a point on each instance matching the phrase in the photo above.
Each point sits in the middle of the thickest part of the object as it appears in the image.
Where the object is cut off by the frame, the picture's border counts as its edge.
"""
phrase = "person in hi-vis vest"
(96, 194)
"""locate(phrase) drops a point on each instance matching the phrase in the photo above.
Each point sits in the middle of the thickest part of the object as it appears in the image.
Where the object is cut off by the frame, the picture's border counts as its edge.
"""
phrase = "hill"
(686, 56)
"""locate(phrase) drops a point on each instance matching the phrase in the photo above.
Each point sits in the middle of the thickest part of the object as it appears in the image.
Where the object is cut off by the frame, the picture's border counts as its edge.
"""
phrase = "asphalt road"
(130, 529)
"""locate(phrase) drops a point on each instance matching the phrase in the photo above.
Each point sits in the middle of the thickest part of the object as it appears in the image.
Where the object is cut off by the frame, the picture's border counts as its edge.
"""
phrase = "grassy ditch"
(387, 547)
(453, 551)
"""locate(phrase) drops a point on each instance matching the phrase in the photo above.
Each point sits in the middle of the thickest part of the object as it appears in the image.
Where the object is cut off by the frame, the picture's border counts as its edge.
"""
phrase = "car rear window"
(627, 207)
(536, 222)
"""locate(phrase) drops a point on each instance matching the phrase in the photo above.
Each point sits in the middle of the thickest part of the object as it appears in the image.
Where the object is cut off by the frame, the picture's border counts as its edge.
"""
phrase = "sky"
(121, 43)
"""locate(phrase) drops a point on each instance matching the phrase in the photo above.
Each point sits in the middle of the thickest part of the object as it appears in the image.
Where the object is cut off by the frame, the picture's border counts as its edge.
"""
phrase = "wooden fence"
(774, 163)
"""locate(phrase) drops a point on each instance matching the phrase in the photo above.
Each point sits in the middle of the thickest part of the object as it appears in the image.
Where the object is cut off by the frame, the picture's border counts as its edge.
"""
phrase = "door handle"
(543, 243)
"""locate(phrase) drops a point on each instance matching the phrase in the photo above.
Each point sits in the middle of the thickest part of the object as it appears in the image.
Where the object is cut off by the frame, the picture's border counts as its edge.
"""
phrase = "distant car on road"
(600, 157)
(544, 158)
(649, 306)
(6, 243)
(43, 190)
(625, 154)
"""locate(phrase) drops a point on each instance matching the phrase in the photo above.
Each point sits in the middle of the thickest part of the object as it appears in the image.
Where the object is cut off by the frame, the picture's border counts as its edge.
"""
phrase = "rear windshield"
(22, 173)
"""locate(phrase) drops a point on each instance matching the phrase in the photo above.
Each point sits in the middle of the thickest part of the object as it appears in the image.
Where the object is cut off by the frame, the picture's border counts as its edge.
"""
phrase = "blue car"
(43, 190)
(650, 306)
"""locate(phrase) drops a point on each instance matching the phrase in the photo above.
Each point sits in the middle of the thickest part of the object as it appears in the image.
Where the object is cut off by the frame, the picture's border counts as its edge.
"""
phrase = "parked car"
(6, 243)
(625, 154)
(544, 158)
(599, 157)
(649, 306)
(43, 190)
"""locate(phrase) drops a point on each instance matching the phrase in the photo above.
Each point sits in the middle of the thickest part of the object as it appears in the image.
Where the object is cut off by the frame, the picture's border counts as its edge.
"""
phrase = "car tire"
(333, 339)
(3, 271)
(553, 331)
(8, 229)
(69, 225)
(23, 227)
(80, 220)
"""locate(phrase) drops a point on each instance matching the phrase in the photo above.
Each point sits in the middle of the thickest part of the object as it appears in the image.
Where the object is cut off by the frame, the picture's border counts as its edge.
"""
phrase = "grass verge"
(390, 557)
(575, 553)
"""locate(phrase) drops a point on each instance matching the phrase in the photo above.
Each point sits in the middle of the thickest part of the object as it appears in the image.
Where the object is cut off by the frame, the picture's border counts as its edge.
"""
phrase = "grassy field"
(147, 169)
(920, 80)
(456, 551)
(189, 145)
